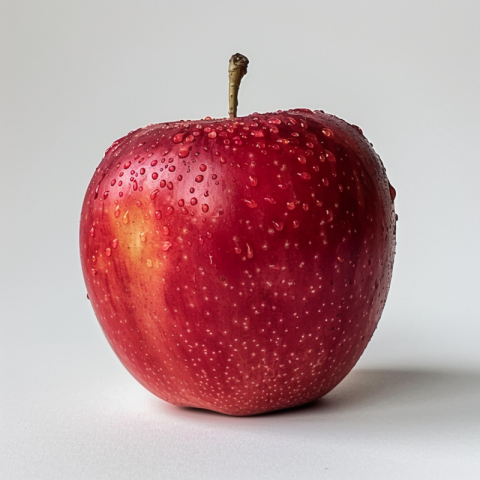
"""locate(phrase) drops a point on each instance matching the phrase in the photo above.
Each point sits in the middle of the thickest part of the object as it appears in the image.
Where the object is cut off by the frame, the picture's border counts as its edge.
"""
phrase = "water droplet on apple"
(253, 180)
(154, 194)
(199, 178)
(184, 151)
(327, 132)
(251, 203)
(92, 232)
(205, 208)
(166, 246)
(278, 226)
(114, 243)
(330, 156)
(304, 176)
(393, 192)
(171, 168)
(238, 250)
(108, 251)
(154, 175)
(125, 218)
(166, 231)
(302, 159)
(212, 134)
(149, 263)
(143, 237)
(193, 201)
(202, 167)
(249, 251)
(169, 210)
(258, 134)
(178, 137)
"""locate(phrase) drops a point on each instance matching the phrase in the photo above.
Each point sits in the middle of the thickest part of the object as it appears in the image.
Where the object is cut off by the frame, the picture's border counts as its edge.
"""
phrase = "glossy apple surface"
(239, 265)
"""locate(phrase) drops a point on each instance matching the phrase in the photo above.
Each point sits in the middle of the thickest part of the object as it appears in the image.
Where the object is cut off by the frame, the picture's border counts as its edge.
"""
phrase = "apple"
(240, 264)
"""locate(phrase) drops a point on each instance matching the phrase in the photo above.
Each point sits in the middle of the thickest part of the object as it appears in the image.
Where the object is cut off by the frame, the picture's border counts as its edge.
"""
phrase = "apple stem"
(237, 68)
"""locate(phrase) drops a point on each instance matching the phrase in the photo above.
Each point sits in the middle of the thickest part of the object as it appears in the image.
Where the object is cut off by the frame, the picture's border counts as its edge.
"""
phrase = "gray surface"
(77, 75)
(382, 423)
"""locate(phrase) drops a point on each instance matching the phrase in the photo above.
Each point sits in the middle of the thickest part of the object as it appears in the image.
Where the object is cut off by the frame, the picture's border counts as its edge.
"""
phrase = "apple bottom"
(240, 375)
(263, 398)
(271, 404)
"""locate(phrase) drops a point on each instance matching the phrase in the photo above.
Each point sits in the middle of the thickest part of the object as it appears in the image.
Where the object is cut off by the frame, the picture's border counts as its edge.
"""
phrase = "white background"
(77, 75)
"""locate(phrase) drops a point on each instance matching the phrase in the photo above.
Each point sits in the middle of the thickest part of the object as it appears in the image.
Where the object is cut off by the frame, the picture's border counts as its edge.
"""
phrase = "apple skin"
(239, 265)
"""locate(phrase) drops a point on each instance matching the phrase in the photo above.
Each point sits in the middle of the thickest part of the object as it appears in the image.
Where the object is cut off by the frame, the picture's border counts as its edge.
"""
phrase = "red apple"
(239, 265)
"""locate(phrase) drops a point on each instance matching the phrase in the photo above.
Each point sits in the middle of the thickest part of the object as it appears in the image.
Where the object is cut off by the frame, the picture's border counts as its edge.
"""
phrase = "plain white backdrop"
(77, 75)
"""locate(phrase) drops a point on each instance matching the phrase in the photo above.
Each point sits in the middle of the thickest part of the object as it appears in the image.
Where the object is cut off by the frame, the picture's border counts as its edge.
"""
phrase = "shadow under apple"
(402, 398)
